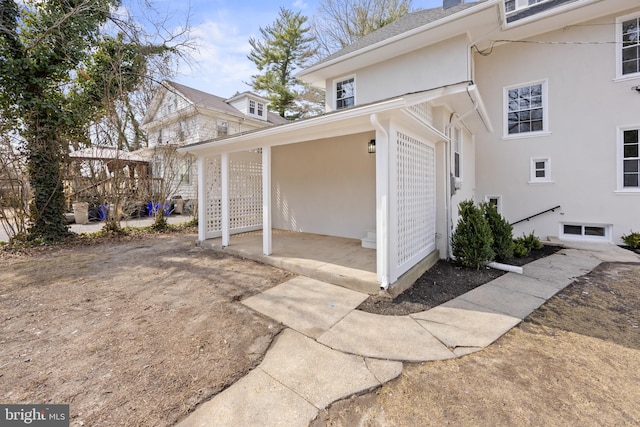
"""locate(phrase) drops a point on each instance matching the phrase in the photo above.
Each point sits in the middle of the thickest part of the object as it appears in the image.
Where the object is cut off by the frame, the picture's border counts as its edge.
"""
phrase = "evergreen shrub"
(472, 240)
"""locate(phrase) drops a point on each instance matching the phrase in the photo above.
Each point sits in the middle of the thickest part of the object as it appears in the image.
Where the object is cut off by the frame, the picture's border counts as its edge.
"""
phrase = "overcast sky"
(222, 29)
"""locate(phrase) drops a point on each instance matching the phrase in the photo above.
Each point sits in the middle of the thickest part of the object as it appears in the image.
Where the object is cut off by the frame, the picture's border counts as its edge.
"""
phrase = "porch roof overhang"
(462, 97)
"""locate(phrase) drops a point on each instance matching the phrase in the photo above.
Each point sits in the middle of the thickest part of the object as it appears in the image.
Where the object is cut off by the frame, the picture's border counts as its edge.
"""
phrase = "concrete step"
(369, 242)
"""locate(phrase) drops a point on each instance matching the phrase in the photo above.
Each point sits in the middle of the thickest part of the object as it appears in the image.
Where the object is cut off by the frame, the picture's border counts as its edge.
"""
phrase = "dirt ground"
(575, 361)
(133, 333)
(141, 331)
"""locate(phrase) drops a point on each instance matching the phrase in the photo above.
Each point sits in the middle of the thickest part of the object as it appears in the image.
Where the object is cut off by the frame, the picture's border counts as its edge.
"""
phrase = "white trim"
(583, 237)
(620, 188)
(334, 86)
(202, 200)
(498, 198)
(545, 110)
(619, 21)
(533, 179)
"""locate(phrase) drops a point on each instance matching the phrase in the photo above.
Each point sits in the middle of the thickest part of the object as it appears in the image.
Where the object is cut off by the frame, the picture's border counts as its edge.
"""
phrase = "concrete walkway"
(330, 350)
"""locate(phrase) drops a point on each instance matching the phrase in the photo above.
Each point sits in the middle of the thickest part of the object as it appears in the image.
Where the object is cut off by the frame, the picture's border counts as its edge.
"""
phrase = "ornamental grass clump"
(501, 231)
(472, 241)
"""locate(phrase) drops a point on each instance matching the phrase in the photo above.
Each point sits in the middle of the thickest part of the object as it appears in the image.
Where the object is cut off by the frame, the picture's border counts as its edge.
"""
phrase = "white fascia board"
(351, 121)
(310, 74)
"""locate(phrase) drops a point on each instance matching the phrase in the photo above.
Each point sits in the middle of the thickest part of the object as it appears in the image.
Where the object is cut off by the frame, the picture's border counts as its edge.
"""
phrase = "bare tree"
(339, 23)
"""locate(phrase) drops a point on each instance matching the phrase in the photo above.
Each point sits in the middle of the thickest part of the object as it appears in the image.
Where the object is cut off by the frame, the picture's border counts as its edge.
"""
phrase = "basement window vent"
(585, 232)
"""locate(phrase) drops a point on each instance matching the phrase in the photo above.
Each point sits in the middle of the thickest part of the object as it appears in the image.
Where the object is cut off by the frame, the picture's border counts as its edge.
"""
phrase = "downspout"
(452, 123)
(382, 255)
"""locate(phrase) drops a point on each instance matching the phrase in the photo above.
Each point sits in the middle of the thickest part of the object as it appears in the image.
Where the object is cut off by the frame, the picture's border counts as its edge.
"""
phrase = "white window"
(526, 110)
(628, 38)
(495, 201)
(345, 93)
(540, 170)
(457, 153)
(260, 109)
(629, 159)
(185, 172)
(222, 127)
(577, 231)
(252, 106)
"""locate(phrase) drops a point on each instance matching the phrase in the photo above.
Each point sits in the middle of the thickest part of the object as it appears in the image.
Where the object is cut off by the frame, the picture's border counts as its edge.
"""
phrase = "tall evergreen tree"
(285, 47)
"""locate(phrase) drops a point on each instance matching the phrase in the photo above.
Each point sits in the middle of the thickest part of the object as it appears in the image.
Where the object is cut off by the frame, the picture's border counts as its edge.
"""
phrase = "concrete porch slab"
(337, 260)
(307, 305)
(384, 337)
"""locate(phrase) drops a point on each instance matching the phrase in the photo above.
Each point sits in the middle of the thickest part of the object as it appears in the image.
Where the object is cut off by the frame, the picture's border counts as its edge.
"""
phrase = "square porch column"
(202, 200)
(267, 237)
(225, 198)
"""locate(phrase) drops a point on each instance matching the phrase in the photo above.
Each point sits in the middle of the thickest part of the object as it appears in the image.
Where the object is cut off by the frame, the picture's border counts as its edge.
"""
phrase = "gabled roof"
(407, 23)
(203, 99)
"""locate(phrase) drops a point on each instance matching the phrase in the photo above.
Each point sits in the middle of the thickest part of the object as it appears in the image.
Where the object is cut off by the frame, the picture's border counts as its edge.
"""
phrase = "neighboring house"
(179, 115)
(528, 104)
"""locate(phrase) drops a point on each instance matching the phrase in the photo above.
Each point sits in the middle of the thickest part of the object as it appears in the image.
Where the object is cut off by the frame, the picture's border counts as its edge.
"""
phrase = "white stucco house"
(530, 104)
(179, 115)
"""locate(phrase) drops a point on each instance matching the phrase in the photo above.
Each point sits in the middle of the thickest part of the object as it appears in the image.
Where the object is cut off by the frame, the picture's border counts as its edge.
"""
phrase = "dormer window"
(345, 93)
(260, 109)
(252, 106)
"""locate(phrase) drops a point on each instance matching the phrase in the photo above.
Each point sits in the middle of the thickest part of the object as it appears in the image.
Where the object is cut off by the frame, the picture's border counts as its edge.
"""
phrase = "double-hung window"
(345, 93)
(540, 170)
(526, 109)
(628, 36)
(629, 175)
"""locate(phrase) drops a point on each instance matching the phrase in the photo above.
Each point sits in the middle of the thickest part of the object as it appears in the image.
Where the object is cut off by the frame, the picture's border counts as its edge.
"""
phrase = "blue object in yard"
(103, 212)
(152, 208)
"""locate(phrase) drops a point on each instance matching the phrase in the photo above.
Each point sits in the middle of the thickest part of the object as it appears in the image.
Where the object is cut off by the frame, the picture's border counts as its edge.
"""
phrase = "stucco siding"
(425, 68)
(585, 107)
(325, 186)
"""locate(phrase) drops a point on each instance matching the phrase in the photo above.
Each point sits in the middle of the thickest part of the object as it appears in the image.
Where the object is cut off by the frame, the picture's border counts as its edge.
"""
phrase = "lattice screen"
(245, 195)
(424, 111)
(213, 194)
(416, 197)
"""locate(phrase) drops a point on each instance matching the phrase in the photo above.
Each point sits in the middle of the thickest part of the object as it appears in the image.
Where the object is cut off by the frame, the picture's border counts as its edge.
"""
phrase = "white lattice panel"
(423, 111)
(245, 194)
(416, 197)
(213, 195)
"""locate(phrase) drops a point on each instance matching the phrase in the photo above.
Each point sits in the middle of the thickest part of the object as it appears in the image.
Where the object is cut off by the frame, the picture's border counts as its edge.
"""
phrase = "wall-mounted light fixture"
(371, 148)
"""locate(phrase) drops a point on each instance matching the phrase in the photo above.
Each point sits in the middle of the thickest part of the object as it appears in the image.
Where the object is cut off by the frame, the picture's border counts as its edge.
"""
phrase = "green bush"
(520, 250)
(472, 240)
(632, 240)
(532, 242)
(501, 231)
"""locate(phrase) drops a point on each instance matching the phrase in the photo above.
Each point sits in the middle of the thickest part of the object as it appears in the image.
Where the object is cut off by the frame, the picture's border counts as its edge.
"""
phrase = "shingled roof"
(208, 100)
(407, 23)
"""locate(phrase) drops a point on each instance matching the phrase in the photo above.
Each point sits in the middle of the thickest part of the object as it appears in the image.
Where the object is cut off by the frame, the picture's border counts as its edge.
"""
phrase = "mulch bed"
(443, 282)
